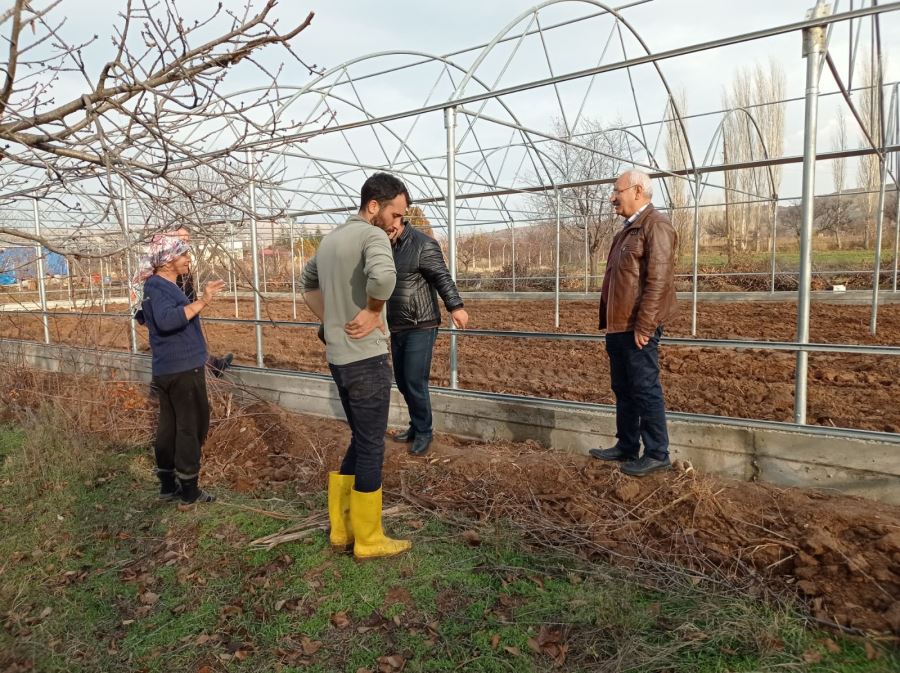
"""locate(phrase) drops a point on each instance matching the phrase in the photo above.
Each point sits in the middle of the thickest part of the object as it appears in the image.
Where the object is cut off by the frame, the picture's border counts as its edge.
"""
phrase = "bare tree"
(595, 151)
(151, 122)
(869, 168)
(677, 158)
(753, 130)
(831, 215)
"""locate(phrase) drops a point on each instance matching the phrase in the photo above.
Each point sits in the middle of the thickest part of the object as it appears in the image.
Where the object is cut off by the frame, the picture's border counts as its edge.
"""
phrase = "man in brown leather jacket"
(638, 297)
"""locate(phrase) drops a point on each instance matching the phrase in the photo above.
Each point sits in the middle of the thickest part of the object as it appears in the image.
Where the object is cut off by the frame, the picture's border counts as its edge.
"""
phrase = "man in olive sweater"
(346, 285)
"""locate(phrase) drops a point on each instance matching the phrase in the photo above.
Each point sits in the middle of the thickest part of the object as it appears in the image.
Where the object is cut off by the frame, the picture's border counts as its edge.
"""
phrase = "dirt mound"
(840, 554)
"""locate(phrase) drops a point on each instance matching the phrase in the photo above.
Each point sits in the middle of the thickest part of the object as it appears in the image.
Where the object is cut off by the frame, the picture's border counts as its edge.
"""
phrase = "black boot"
(169, 488)
(191, 493)
(405, 435)
(420, 445)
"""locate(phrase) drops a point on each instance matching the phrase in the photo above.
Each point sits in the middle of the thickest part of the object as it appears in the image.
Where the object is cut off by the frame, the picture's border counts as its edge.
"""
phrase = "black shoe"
(420, 445)
(615, 453)
(191, 493)
(405, 435)
(646, 465)
(169, 488)
(219, 365)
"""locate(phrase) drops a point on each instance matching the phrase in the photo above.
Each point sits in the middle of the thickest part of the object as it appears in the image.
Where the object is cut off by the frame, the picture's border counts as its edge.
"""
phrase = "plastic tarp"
(19, 262)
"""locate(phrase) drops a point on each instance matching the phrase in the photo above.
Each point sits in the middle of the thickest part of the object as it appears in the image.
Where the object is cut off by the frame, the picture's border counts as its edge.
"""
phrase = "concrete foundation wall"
(856, 463)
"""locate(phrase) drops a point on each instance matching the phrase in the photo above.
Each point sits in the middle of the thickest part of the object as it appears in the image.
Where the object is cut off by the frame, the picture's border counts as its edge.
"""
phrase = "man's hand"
(394, 233)
(364, 323)
(640, 340)
(460, 318)
(212, 288)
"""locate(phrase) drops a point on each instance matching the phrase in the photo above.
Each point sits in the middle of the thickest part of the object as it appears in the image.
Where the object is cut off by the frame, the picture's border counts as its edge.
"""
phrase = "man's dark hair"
(382, 187)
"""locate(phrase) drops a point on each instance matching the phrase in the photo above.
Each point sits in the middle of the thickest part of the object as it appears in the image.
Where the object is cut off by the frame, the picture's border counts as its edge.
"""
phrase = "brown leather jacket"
(639, 283)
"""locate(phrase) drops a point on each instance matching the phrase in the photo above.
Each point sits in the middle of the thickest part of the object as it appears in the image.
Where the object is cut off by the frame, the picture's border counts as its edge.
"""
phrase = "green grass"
(851, 260)
(97, 575)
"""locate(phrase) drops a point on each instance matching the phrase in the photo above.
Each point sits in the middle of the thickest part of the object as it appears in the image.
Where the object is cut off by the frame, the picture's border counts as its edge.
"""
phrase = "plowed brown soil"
(844, 390)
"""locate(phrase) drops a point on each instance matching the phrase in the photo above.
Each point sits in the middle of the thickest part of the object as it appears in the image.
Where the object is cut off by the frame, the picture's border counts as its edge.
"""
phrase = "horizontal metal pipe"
(743, 344)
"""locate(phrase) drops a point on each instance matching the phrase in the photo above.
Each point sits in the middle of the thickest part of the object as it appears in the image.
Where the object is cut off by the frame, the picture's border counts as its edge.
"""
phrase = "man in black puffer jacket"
(413, 318)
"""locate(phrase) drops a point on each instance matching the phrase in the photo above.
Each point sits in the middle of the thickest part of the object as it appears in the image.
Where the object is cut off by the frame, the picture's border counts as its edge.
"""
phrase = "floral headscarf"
(163, 248)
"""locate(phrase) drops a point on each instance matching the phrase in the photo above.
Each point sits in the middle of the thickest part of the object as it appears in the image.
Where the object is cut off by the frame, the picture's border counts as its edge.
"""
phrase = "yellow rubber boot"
(370, 540)
(339, 487)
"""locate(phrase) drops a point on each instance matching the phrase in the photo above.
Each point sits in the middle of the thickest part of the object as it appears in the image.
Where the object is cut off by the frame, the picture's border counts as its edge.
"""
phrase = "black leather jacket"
(421, 276)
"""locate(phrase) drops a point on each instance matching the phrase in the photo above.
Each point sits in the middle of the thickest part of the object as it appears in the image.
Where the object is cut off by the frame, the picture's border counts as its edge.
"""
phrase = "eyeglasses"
(619, 191)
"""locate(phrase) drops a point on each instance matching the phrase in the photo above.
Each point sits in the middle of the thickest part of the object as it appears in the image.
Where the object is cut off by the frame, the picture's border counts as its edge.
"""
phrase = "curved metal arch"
(534, 10)
(312, 86)
(415, 159)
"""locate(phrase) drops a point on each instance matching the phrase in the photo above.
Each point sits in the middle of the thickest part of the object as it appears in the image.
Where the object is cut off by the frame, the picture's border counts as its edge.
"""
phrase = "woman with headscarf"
(179, 355)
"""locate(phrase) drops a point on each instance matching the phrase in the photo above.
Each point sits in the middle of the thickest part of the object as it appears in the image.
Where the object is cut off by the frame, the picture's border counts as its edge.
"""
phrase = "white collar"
(635, 215)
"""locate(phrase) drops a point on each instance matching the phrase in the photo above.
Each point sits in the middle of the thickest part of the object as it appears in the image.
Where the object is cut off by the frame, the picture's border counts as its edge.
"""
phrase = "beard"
(381, 221)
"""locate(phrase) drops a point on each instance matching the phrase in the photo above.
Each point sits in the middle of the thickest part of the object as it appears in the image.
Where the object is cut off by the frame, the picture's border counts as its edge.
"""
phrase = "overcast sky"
(349, 29)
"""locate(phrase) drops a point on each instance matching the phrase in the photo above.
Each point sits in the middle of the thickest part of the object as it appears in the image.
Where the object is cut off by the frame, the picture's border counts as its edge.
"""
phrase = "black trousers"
(183, 421)
(640, 406)
(365, 390)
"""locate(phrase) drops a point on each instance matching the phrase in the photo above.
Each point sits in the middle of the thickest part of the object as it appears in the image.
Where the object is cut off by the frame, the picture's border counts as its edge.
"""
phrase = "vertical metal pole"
(897, 192)
(102, 282)
(39, 260)
(450, 125)
(69, 270)
(774, 238)
(265, 279)
(234, 268)
(695, 264)
(293, 270)
(586, 262)
(302, 244)
(896, 236)
(254, 250)
(90, 280)
(879, 226)
(556, 291)
(879, 229)
(813, 44)
(128, 269)
(512, 231)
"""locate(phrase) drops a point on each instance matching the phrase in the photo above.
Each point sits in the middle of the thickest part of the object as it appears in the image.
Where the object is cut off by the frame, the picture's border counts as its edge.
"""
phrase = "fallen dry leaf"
(871, 653)
(812, 656)
(340, 620)
(472, 537)
(391, 664)
(831, 646)
(310, 647)
(149, 598)
(512, 650)
(495, 641)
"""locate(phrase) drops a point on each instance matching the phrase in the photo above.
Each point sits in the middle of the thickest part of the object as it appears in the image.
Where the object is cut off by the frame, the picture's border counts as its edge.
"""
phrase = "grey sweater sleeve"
(379, 265)
(309, 280)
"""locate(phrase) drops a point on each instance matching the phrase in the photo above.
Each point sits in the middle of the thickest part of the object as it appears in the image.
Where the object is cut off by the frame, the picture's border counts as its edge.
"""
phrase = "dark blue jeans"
(365, 390)
(640, 408)
(411, 351)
